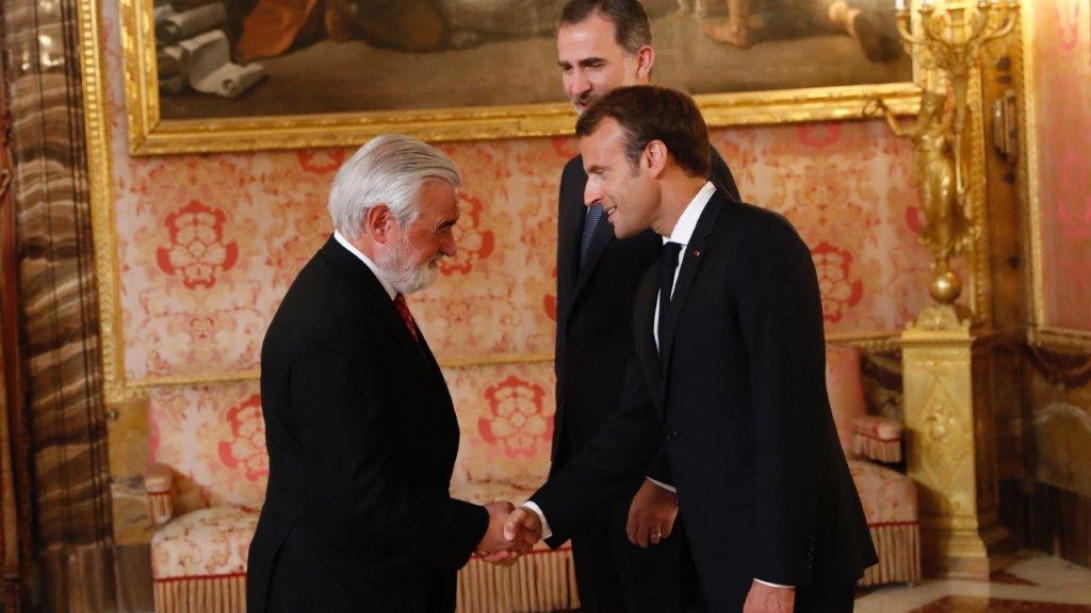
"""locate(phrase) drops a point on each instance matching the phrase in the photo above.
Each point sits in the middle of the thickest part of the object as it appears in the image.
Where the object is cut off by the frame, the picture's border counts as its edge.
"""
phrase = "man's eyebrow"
(587, 61)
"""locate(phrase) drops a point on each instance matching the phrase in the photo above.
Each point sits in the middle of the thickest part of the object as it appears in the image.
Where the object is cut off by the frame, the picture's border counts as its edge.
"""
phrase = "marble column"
(58, 306)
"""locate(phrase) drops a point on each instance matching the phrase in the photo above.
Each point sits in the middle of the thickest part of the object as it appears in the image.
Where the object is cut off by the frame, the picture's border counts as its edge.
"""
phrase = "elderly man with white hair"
(359, 424)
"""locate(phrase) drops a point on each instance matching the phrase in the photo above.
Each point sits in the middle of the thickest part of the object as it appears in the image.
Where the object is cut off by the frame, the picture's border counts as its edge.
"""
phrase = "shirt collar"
(687, 223)
(366, 260)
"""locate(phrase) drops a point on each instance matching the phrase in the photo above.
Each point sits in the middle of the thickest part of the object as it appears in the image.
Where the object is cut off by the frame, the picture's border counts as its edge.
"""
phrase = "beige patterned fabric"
(889, 497)
(845, 390)
(205, 543)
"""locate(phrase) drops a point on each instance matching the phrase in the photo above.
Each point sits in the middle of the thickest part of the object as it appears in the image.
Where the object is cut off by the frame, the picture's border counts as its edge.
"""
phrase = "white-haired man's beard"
(406, 278)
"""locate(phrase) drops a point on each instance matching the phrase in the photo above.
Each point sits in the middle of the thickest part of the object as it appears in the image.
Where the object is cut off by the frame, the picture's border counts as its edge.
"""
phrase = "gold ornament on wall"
(951, 42)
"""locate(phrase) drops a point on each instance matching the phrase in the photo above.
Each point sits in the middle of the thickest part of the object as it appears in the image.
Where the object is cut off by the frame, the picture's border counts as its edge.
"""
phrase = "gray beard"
(406, 279)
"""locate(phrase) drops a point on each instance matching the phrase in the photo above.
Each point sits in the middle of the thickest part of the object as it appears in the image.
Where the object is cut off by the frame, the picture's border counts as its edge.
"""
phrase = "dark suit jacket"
(741, 406)
(362, 439)
(594, 312)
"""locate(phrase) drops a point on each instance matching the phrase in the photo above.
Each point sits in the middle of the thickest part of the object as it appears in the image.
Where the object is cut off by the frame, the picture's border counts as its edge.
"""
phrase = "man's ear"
(645, 59)
(378, 222)
(655, 157)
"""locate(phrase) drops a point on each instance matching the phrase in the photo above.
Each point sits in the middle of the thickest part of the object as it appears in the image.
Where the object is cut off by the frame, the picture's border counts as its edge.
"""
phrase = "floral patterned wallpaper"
(208, 244)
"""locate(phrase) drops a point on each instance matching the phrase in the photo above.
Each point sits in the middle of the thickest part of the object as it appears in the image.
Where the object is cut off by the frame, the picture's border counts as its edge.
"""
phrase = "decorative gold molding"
(152, 136)
(149, 134)
(866, 341)
(978, 255)
(97, 134)
(1028, 167)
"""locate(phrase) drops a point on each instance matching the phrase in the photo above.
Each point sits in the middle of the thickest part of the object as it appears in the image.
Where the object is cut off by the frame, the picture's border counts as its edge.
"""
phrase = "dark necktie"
(407, 317)
(668, 262)
(590, 223)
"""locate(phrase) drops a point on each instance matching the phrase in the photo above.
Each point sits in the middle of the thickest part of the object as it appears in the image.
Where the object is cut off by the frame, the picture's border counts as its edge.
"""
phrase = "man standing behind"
(729, 373)
(359, 424)
(601, 45)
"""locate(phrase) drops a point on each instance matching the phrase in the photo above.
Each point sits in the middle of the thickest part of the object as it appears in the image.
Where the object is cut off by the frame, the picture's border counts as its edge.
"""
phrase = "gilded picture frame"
(153, 132)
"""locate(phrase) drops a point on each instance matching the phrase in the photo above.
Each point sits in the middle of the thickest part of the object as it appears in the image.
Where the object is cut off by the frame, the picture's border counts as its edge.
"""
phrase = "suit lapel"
(360, 277)
(695, 253)
(604, 233)
(568, 254)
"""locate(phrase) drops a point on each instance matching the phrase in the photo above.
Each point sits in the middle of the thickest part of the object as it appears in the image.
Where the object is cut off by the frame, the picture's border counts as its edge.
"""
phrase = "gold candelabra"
(951, 39)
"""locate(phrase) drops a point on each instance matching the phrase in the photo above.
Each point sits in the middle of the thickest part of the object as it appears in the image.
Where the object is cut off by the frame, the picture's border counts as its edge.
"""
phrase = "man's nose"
(592, 195)
(580, 83)
(447, 245)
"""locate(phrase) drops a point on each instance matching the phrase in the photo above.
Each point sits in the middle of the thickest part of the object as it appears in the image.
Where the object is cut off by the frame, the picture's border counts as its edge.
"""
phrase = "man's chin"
(425, 277)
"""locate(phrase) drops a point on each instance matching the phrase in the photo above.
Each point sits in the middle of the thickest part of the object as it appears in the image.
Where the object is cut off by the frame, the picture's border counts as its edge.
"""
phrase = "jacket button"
(672, 435)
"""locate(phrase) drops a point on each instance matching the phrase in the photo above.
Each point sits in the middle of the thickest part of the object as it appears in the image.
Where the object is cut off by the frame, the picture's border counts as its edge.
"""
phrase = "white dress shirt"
(390, 291)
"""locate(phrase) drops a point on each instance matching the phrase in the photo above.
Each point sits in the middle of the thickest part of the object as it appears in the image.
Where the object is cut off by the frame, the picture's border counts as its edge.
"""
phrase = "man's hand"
(494, 548)
(651, 515)
(768, 599)
(523, 529)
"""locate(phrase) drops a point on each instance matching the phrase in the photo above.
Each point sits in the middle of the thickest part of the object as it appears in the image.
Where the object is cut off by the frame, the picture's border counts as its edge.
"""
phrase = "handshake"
(512, 532)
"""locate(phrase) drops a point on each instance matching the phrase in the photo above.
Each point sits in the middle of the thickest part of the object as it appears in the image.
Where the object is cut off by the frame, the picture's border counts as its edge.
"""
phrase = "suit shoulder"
(755, 219)
(761, 231)
(318, 304)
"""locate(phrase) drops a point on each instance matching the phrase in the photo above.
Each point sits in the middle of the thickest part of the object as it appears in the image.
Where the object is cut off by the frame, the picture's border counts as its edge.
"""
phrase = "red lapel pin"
(696, 253)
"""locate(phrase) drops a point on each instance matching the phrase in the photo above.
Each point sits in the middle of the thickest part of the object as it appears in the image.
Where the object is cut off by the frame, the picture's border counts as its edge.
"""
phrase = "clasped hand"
(511, 533)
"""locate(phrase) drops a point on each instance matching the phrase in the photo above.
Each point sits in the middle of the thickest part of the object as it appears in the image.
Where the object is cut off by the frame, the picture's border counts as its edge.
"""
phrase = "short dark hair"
(648, 113)
(631, 28)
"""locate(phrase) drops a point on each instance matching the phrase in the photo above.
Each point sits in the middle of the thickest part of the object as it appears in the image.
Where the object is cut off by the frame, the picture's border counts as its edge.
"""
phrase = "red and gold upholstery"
(889, 498)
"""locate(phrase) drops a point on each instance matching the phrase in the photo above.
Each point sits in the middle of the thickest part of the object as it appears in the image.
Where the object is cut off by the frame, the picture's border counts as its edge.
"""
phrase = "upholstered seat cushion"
(205, 543)
(888, 497)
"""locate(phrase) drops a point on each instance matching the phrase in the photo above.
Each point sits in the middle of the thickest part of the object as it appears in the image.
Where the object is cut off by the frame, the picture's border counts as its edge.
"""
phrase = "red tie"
(407, 317)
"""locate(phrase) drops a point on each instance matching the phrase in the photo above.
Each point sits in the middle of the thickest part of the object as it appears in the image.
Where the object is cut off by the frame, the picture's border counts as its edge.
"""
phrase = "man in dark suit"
(359, 424)
(729, 375)
(602, 45)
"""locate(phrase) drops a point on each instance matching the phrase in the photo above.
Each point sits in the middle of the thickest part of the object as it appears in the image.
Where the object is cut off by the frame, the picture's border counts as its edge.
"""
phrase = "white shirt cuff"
(669, 488)
(771, 584)
(546, 532)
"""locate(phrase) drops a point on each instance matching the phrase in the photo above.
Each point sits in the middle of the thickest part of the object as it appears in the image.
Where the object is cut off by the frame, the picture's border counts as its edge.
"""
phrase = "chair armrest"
(159, 483)
(877, 438)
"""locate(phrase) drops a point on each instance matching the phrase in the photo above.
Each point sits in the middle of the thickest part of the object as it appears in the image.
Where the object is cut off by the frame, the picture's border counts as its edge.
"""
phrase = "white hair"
(389, 170)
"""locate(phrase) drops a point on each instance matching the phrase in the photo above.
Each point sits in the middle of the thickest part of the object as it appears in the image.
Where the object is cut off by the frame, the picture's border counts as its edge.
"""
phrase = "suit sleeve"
(722, 177)
(353, 478)
(780, 315)
(623, 447)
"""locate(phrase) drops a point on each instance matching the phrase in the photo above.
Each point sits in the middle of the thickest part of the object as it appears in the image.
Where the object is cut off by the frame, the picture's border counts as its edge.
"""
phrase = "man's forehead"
(607, 129)
(594, 31)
